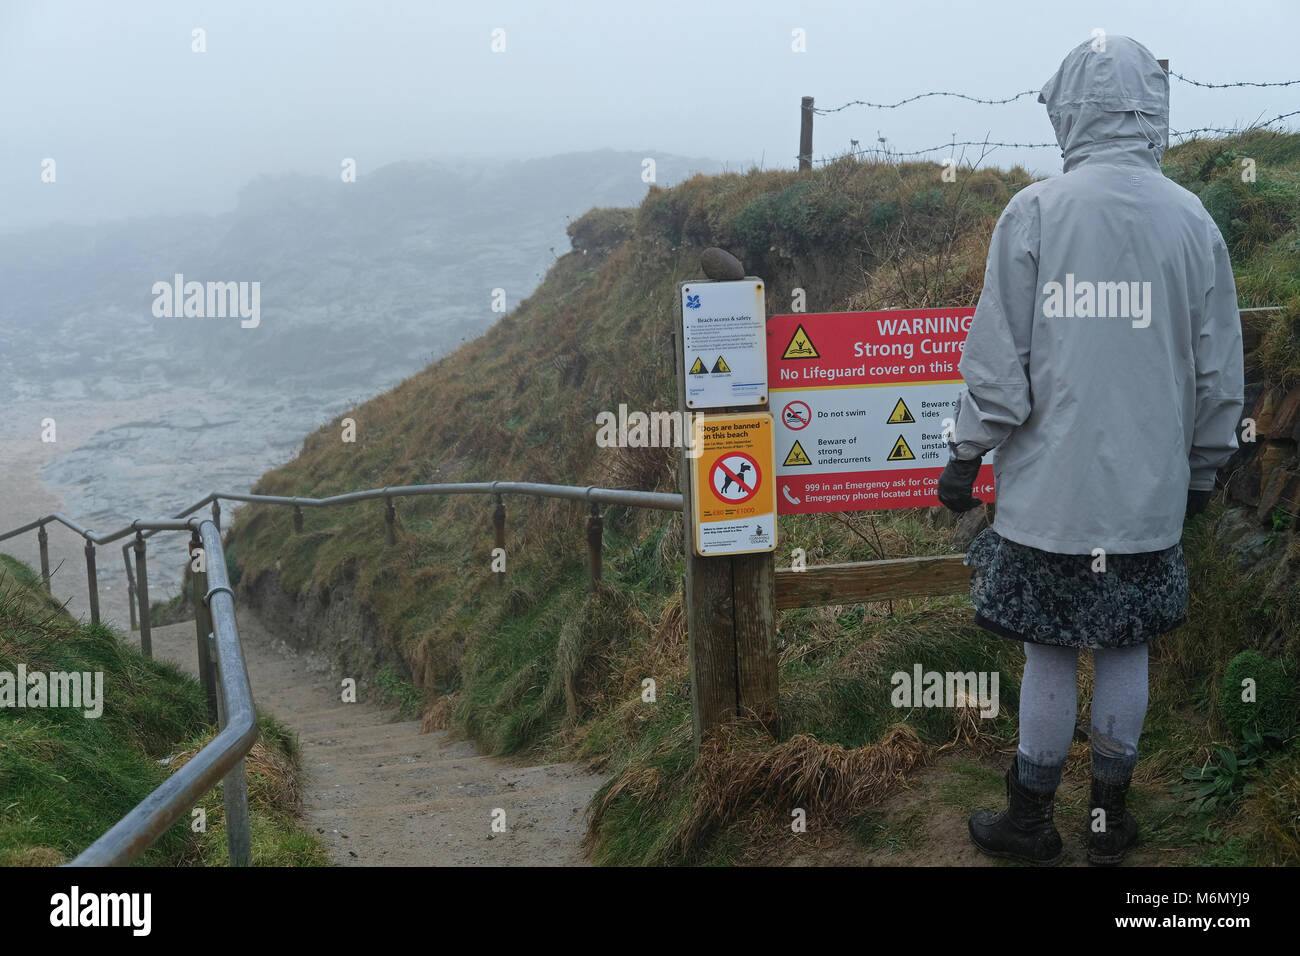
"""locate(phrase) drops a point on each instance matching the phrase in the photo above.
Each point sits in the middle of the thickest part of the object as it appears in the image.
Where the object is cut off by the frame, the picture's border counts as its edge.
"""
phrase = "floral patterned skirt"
(1041, 597)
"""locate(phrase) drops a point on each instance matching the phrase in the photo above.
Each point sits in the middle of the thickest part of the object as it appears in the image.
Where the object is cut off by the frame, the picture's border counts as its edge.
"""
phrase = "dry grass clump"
(969, 733)
(33, 856)
(272, 780)
(827, 781)
(438, 716)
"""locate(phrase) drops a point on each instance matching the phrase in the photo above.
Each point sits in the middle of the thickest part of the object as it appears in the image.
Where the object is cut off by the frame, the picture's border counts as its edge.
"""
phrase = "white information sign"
(724, 343)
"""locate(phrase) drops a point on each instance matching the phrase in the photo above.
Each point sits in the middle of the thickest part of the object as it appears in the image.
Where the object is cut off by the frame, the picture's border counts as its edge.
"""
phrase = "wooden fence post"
(805, 133)
(728, 603)
(92, 585)
(43, 540)
(142, 595)
(130, 586)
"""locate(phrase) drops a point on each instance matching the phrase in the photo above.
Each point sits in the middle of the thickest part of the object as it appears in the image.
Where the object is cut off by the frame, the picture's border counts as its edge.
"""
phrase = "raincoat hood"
(1103, 366)
(1109, 101)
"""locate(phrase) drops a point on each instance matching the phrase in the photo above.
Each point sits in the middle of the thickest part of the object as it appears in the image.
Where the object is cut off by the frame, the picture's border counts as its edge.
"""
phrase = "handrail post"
(142, 592)
(297, 519)
(216, 512)
(44, 540)
(595, 536)
(499, 532)
(234, 785)
(239, 840)
(91, 583)
(130, 586)
(390, 518)
(203, 623)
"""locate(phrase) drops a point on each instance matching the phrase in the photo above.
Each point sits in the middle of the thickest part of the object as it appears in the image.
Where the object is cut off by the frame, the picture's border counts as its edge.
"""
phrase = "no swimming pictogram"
(796, 415)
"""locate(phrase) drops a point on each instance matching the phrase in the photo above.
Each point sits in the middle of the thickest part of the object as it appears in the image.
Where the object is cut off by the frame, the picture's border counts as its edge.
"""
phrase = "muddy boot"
(1023, 831)
(1112, 831)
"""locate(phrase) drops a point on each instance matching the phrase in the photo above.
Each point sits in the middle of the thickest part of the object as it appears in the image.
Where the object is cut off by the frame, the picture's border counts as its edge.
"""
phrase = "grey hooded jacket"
(1104, 362)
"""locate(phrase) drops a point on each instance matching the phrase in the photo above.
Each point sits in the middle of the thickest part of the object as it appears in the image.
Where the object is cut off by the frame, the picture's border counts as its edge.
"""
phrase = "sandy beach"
(25, 497)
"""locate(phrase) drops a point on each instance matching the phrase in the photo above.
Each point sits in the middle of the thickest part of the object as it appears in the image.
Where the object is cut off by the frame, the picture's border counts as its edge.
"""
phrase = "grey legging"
(1048, 695)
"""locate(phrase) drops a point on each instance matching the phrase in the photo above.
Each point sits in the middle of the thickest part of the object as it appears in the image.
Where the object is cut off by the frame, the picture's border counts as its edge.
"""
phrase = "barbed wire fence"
(809, 110)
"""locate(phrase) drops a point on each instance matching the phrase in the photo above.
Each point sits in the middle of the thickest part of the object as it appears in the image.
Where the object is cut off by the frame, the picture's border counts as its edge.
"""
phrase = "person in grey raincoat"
(1104, 365)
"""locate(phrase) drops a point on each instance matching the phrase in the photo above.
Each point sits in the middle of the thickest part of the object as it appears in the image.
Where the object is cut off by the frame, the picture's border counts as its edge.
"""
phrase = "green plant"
(1258, 694)
(1218, 784)
(398, 692)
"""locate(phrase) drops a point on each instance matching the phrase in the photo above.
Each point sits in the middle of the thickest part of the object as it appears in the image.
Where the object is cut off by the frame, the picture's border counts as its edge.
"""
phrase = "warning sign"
(725, 320)
(900, 451)
(733, 487)
(797, 456)
(900, 414)
(864, 397)
(800, 346)
(796, 415)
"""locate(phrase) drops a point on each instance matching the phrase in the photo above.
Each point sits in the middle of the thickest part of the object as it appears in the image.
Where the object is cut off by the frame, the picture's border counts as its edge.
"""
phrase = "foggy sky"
(138, 124)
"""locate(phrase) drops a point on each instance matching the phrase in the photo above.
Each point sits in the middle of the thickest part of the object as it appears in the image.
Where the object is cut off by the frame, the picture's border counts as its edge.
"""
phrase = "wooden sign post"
(728, 598)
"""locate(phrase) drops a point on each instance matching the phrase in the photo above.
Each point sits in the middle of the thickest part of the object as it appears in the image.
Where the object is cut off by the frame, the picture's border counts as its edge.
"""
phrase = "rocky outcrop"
(1264, 474)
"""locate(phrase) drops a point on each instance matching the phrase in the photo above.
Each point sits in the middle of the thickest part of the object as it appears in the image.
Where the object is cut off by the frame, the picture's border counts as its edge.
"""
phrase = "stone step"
(360, 732)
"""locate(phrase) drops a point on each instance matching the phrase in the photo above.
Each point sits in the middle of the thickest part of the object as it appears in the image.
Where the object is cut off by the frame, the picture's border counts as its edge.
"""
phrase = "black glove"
(956, 482)
(1196, 502)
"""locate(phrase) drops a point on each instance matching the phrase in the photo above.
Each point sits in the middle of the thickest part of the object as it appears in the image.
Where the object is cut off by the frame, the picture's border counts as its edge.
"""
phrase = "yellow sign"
(900, 451)
(732, 486)
(800, 346)
(698, 368)
(901, 414)
(797, 456)
(721, 365)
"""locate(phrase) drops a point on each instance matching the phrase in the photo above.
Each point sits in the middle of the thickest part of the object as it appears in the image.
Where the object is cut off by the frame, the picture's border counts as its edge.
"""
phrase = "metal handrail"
(222, 668)
(222, 757)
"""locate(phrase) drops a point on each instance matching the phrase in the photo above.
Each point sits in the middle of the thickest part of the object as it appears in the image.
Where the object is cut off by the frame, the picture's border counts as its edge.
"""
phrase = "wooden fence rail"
(864, 581)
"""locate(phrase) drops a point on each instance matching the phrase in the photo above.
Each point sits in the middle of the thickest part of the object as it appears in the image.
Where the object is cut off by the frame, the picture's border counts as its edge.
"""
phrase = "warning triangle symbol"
(900, 415)
(800, 346)
(698, 368)
(900, 451)
(797, 456)
(721, 365)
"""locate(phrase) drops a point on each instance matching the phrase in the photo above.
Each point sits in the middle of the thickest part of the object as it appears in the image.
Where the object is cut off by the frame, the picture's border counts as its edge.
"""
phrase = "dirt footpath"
(380, 793)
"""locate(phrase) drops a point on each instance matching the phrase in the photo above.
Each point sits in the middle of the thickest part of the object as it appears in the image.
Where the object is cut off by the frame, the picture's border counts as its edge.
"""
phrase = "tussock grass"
(828, 781)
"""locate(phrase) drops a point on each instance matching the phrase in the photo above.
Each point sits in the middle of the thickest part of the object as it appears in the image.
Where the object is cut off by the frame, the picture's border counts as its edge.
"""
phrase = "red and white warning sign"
(864, 397)
(796, 415)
